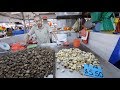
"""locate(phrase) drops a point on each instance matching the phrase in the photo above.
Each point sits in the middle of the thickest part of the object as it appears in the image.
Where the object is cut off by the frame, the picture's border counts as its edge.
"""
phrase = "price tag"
(93, 71)
(98, 72)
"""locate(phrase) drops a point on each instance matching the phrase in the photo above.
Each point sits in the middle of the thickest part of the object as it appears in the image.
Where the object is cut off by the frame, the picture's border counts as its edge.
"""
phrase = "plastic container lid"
(32, 46)
(4, 46)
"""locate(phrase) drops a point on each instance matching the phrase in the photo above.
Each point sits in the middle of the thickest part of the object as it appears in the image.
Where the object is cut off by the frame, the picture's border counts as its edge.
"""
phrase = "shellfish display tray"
(73, 67)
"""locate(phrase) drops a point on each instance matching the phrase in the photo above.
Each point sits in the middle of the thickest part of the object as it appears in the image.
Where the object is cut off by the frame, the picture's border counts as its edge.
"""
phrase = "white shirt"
(42, 34)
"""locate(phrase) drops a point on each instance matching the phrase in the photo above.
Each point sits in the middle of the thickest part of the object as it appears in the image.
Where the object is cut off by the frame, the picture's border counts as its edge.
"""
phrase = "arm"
(27, 39)
(75, 26)
(31, 32)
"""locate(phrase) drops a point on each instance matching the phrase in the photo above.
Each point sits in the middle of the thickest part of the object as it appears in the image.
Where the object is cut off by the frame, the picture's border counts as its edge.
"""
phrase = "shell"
(75, 58)
(35, 62)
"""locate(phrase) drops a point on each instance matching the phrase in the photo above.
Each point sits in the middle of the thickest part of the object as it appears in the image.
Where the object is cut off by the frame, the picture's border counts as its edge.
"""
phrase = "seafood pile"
(29, 63)
(74, 58)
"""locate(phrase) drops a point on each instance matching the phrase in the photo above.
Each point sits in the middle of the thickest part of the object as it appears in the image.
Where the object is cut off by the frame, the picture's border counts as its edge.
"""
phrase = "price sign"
(97, 72)
(93, 71)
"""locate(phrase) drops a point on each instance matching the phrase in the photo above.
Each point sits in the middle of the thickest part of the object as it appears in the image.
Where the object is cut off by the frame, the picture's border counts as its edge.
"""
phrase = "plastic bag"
(116, 20)
(113, 19)
(88, 24)
(98, 27)
(96, 16)
(107, 25)
(17, 47)
(106, 15)
(118, 27)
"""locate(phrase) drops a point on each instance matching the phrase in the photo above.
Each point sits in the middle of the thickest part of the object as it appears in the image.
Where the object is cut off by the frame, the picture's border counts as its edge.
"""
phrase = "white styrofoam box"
(72, 37)
(89, 46)
(13, 39)
(102, 34)
(61, 37)
(7, 40)
(104, 53)
(51, 45)
(65, 32)
(5, 19)
(99, 50)
(102, 44)
(69, 38)
(104, 38)
(107, 42)
(109, 51)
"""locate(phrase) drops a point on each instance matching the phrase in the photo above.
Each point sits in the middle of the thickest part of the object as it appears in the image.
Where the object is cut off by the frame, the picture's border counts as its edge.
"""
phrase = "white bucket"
(51, 45)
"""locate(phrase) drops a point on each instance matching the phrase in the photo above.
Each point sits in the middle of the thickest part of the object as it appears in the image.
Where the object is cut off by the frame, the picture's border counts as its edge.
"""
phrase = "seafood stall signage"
(93, 71)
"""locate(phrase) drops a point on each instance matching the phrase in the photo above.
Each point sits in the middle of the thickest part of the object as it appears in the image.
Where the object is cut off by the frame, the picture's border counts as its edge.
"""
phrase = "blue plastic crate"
(18, 32)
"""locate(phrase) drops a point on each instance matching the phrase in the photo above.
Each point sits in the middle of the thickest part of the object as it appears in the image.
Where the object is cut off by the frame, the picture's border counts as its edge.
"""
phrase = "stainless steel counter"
(109, 70)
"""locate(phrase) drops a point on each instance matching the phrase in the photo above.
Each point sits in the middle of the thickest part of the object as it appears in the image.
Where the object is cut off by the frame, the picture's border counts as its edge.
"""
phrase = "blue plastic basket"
(97, 27)
(18, 32)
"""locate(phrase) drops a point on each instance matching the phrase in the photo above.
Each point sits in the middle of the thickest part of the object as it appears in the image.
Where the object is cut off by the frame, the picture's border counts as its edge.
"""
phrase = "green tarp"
(105, 18)
(96, 16)
(107, 25)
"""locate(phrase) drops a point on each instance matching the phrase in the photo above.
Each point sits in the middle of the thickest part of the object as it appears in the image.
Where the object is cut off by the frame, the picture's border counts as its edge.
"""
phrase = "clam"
(75, 59)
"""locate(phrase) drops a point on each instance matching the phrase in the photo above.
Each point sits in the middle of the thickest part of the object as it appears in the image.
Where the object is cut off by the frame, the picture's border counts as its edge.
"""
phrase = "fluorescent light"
(15, 12)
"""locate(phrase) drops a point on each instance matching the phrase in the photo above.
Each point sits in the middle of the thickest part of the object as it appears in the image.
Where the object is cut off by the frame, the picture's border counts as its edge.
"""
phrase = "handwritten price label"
(93, 71)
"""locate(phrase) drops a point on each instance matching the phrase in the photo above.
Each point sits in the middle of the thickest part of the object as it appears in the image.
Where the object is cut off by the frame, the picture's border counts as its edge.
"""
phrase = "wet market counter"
(109, 70)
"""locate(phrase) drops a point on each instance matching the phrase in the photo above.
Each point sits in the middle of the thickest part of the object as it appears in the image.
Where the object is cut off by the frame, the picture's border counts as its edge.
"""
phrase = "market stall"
(109, 70)
(75, 56)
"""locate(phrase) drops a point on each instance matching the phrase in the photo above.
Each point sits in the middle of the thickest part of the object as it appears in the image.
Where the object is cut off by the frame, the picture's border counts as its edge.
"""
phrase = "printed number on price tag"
(98, 72)
(88, 70)
(93, 71)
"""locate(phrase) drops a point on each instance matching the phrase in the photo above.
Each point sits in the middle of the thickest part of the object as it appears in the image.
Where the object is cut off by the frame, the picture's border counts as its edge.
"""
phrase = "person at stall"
(12, 28)
(20, 28)
(9, 32)
(16, 28)
(41, 30)
(45, 22)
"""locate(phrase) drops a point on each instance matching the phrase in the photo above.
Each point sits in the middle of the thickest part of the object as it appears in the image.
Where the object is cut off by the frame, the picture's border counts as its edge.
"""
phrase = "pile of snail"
(29, 63)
